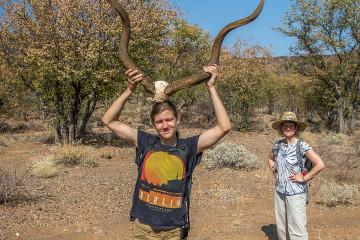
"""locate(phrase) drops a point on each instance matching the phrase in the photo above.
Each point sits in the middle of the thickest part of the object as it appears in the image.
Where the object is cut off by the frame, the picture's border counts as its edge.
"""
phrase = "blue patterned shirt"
(286, 161)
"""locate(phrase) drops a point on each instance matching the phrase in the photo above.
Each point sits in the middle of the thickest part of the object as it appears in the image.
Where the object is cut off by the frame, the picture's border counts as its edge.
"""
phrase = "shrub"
(69, 156)
(229, 155)
(45, 167)
(4, 127)
(332, 193)
(335, 138)
(11, 187)
(66, 156)
(341, 152)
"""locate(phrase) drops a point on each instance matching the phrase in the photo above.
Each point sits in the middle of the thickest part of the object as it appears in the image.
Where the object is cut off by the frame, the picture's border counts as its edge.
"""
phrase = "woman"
(159, 208)
(290, 186)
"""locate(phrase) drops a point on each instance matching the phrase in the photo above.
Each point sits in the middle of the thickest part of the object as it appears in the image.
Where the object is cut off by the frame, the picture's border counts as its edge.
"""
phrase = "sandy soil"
(94, 203)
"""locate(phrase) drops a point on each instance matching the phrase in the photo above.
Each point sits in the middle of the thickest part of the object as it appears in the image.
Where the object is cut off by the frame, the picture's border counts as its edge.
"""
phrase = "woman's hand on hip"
(296, 177)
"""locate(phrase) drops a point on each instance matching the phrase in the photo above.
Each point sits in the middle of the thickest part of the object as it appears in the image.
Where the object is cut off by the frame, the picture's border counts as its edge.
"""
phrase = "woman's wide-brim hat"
(289, 117)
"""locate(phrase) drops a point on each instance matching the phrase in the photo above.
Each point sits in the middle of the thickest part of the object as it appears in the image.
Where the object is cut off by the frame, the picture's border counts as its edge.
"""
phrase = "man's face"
(166, 123)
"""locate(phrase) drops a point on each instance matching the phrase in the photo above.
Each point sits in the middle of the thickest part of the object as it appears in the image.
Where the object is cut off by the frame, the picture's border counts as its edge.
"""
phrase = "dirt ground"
(94, 203)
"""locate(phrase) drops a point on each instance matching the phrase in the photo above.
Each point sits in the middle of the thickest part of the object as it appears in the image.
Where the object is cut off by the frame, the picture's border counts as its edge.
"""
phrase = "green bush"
(229, 155)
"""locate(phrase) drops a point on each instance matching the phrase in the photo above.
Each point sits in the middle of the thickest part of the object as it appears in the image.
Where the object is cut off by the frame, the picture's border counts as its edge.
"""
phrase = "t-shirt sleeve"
(141, 141)
(305, 147)
(192, 143)
(276, 147)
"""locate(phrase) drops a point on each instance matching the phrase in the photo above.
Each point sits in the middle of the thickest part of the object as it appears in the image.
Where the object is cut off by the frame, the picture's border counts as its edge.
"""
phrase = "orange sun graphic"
(161, 167)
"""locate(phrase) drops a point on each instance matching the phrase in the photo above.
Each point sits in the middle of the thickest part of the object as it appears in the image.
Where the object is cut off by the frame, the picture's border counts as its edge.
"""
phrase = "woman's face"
(288, 129)
(166, 123)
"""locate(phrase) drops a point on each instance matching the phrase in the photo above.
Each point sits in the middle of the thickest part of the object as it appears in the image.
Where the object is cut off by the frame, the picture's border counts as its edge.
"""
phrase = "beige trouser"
(145, 232)
(290, 213)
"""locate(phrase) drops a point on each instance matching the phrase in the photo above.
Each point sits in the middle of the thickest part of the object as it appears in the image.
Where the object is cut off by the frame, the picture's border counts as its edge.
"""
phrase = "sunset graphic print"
(162, 181)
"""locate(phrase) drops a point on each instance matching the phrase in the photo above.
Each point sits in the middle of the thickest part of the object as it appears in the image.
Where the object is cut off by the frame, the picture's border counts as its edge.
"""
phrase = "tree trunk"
(72, 133)
(43, 109)
(353, 117)
(341, 118)
(57, 133)
(65, 131)
(271, 106)
(90, 108)
(42, 114)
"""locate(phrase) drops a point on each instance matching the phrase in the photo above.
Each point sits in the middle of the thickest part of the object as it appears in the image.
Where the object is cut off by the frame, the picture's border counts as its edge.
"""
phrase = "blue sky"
(213, 15)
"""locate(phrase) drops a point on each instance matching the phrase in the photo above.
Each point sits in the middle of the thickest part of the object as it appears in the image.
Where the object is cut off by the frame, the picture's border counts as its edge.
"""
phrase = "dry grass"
(45, 167)
(70, 156)
(65, 156)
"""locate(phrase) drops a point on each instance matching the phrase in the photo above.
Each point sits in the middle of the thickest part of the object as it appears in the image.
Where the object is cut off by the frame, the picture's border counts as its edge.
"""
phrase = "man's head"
(165, 118)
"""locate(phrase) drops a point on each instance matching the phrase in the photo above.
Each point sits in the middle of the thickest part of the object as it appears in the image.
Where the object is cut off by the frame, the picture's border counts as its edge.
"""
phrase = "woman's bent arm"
(318, 167)
(271, 162)
(318, 164)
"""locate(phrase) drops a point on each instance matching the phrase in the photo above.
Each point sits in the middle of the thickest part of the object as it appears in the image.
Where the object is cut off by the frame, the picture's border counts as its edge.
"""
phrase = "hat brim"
(301, 125)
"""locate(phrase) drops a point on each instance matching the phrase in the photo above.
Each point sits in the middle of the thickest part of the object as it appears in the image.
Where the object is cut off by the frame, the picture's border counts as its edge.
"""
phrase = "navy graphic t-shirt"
(158, 198)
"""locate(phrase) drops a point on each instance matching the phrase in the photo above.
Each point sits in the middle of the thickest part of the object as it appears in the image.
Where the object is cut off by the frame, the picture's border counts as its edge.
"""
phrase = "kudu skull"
(160, 89)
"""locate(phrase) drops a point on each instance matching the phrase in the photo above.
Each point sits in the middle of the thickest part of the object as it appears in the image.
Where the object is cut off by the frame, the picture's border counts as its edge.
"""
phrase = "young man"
(159, 208)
